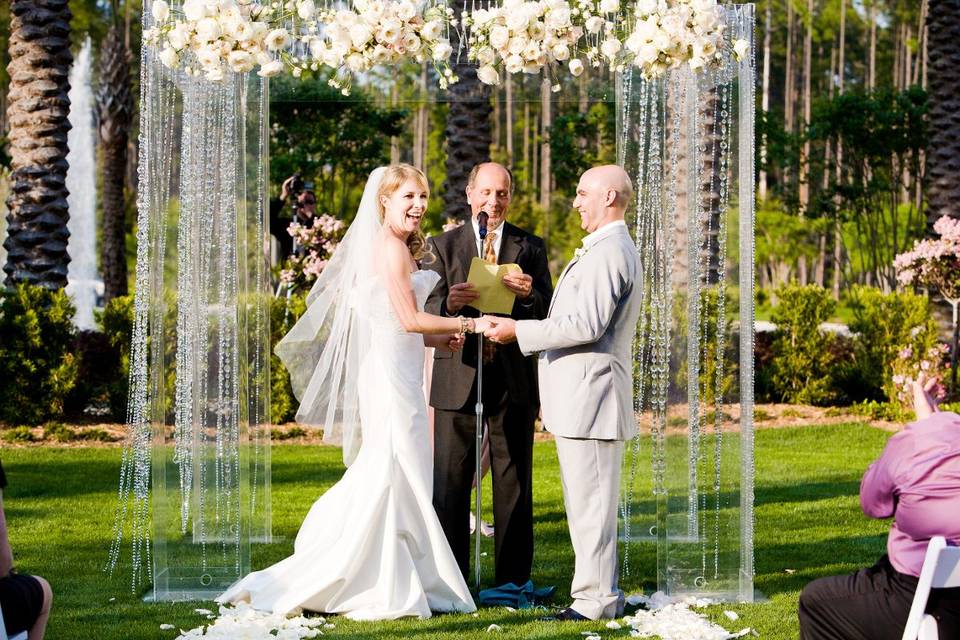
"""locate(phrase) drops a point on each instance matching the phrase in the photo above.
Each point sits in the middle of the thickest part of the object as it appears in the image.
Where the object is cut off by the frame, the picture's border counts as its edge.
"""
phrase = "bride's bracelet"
(465, 325)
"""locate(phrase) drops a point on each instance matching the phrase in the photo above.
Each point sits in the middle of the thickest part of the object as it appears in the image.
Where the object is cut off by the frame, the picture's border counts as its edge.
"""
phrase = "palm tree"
(467, 131)
(38, 107)
(943, 158)
(115, 107)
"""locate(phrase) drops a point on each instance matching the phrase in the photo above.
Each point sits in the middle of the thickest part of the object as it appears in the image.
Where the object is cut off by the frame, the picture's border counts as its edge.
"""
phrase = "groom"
(510, 399)
(586, 382)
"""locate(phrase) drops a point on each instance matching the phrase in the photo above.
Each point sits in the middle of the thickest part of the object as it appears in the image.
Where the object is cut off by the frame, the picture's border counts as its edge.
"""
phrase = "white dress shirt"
(496, 241)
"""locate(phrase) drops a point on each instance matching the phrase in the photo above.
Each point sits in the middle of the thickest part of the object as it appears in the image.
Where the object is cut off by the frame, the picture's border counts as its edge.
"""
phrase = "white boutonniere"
(578, 252)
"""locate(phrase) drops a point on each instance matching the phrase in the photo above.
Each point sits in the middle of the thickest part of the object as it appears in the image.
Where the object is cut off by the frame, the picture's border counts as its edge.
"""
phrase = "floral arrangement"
(934, 262)
(317, 242)
(375, 32)
(669, 34)
(924, 355)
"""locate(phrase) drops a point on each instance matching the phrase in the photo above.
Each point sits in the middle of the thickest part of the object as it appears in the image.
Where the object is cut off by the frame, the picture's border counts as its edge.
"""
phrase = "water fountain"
(83, 283)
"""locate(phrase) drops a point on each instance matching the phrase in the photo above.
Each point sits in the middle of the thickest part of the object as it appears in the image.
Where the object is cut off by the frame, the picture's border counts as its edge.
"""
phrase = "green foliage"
(19, 435)
(882, 410)
(884, 324)
(116, 320)
(37, 367)
(284, 313)
(334, 142)
(289, 434)
(803, 364)
(782, 238)
(58, 432)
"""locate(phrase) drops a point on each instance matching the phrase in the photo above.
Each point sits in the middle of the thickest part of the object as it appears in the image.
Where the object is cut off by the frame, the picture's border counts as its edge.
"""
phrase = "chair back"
(941, 570)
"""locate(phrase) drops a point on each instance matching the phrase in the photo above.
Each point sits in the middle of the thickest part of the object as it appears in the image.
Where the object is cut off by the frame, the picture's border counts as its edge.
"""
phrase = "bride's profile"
(371, 547)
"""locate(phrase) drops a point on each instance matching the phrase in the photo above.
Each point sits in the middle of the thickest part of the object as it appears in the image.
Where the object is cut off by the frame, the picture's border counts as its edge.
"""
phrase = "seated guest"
(25, 600)
(917, 480)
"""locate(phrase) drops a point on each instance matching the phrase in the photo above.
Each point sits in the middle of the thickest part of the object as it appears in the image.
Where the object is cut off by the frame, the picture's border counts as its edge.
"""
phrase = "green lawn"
(60, 510)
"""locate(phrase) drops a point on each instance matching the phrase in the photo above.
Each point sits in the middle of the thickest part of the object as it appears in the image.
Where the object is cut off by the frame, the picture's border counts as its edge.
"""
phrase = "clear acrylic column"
(687, 140)
(209, 338)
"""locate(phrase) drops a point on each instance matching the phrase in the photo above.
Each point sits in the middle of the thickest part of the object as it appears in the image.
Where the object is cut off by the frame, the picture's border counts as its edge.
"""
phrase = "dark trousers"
(871, 604)
(511, 458)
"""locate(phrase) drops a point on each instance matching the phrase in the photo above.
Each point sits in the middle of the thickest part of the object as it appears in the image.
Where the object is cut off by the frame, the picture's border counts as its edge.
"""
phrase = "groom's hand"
(461, 295)
(502, 330)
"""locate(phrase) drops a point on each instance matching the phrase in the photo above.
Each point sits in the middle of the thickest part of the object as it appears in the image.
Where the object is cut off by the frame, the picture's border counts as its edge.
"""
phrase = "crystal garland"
(678, 137)
(218, 329)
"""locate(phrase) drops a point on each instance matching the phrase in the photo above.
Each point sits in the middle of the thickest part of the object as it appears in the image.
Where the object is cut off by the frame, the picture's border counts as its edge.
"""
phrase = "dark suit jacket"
(454, 373)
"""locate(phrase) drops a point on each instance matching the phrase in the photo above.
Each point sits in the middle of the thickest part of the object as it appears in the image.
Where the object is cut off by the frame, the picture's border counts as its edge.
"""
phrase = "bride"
(371, 547)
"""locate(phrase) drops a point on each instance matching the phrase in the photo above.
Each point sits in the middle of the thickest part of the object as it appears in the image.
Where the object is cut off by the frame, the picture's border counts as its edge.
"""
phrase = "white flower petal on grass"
(732, 615)
(166, 627)
(494, 627)
(203, 612)
(613, 624)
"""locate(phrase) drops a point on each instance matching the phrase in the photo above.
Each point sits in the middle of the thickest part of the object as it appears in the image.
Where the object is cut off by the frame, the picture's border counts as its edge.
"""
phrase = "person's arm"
(604, 285)
(6, 553)
(878, 488)
(400, 291)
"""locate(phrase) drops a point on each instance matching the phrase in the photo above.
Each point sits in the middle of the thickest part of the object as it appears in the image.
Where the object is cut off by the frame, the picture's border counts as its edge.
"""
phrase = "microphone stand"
(482, 226)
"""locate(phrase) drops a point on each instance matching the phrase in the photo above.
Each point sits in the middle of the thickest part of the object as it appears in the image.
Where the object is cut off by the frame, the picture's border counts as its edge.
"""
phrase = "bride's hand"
(481, 325)
(455, 342)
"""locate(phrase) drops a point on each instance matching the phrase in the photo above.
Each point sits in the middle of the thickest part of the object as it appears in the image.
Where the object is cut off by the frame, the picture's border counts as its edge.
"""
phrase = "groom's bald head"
(603, 195)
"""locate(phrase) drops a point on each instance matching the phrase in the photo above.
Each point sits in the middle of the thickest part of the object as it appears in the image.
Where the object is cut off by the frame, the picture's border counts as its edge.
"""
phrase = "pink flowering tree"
(934, 263)
(316, 243)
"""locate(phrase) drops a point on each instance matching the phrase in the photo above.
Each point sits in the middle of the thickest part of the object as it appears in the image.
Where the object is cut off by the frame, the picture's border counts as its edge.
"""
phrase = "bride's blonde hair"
(394, 176)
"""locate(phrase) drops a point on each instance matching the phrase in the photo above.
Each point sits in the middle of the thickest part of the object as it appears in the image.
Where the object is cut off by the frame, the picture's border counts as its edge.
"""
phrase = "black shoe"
(566, 615)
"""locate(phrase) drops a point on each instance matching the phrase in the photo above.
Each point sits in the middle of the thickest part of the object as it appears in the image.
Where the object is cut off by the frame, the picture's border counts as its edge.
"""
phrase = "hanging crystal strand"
(743, 19)
(145, 381)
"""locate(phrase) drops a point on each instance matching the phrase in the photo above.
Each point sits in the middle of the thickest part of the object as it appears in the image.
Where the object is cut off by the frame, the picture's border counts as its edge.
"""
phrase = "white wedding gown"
(371, 547)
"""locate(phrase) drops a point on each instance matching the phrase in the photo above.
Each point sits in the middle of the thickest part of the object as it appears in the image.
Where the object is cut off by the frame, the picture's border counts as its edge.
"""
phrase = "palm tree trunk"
(546, 107)
(38, 107)
(804, 177)
(508, 107)
(115, 106)
(943, 158)
(467, 132)
(765, 102)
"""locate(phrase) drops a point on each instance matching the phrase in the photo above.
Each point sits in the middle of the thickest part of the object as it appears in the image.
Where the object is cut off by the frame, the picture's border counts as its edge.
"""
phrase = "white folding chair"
(941, 570)
(3, 631)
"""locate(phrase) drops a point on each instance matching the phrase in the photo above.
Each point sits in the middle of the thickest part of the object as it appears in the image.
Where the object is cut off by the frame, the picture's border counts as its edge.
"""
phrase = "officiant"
(510, 397)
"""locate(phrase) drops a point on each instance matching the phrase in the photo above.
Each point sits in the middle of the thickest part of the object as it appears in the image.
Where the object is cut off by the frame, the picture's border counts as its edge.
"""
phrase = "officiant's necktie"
(489, 255)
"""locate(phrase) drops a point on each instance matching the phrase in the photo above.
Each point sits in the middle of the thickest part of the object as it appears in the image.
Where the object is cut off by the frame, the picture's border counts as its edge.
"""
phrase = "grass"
(808, 524)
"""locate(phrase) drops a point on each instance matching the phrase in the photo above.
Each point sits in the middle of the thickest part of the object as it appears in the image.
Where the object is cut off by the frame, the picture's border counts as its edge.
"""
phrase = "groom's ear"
(611, 197)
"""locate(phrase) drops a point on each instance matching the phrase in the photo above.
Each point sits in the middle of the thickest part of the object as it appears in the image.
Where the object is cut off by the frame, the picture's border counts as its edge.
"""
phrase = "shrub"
(19, 434)
(284, 312)
(116, 320)
(58, 432)
(885, 324)
(802, 367)
(37, 367)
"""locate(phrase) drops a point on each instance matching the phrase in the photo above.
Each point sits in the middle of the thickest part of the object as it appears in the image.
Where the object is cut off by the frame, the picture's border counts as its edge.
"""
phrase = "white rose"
(272, 68)
(532, 68)
(537, 30)
(576, 67)
(558, 18)
(160, 10)
(208, 30)
(646, 7)
(317, 48)
(346, 18)
(532, 51)
(488, 75)
(194, 10)
(360, 35)
(306, 9)
(241, 30)
(560, 52)
(481, 17)
(517, 45)
(381, 55)
(442, 50)
(355, 62)
(741, 48)
(411, 42)
(609, 6)
(703, 5)
(486, 56)
(696, 63)
(333, 58)
(513, 64)
(277, 39)
(610, 48)
(406, 11)
(431, 30)
(169, 58)
(240, 61)
(594, 24)
(208, 56)
(390, 31)
(517, 21)
(178, 36)
(372, 13)
(499, 37)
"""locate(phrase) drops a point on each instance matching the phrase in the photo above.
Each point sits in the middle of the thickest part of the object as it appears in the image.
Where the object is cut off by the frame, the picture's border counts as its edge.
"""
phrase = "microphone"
(482, 221)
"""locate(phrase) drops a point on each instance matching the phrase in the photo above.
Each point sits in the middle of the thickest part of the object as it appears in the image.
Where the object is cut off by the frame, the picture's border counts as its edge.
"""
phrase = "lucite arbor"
(687, 141)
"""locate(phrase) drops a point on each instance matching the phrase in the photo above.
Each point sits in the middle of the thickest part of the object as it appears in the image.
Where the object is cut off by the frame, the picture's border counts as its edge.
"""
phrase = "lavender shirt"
(917, 479)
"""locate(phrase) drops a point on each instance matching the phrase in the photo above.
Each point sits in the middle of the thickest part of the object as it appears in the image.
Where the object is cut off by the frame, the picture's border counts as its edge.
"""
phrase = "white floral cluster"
(213, 37)
(669, 33)
(383, 32)
(524, 36)
(242, 622)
